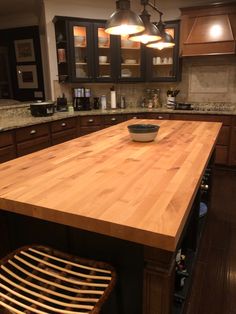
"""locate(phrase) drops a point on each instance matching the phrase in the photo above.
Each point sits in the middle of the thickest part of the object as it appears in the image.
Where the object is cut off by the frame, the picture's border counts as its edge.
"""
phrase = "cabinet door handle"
(113, 119)
(160, 117)
(63, 124)
(33, 132)
(90, 120)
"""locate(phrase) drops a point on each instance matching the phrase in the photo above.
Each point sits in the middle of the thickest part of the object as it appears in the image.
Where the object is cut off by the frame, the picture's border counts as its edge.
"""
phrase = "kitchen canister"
(103, 101)
(170, 102)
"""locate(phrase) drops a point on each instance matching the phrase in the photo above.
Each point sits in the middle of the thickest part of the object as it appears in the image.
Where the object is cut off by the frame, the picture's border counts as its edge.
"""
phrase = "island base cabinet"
(232, 152)
(158, 283)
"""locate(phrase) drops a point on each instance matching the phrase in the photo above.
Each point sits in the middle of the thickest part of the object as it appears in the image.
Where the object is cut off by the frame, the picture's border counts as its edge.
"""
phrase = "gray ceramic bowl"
(143, 132)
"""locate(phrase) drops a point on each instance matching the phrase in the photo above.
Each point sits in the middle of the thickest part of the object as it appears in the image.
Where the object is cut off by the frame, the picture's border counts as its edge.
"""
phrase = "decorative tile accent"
(209, 79)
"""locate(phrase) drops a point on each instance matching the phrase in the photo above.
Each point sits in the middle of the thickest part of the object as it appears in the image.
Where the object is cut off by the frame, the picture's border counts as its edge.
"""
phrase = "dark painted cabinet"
(89, 124)
(163, 65)
(63, 130)
(31, 139)
(7, 147)
(85, 53)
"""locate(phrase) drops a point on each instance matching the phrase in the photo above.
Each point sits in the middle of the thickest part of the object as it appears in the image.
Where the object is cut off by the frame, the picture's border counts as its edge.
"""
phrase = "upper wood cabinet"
(85, 53)
(208, 30)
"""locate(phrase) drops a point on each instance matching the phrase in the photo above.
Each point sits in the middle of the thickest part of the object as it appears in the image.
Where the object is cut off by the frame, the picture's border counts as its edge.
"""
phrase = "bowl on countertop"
(143, 132)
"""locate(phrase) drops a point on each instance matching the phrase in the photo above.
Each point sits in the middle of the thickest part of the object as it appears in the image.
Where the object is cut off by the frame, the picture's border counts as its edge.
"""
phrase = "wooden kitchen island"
(105, 184)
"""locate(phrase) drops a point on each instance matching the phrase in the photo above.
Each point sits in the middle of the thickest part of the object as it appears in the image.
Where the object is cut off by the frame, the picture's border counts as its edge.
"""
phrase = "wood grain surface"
(105, 183)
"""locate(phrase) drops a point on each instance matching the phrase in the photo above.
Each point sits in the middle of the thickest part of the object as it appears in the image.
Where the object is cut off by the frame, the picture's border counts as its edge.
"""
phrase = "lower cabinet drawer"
(221, 155)
(87, 130)
(135, 116)
(32, 132)
(63, 136)
(34, 145)
(113, 119)
(7, 153)
(90, 120)
(157, 116)
(64, 124)
(6, 138)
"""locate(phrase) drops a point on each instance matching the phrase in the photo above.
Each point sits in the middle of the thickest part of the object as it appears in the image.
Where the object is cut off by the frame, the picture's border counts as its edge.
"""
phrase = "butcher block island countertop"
(106, 183)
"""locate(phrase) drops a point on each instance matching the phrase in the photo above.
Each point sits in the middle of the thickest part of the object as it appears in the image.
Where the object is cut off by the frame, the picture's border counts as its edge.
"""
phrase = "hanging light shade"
(123, 21)
(151, 32)
(166, 41)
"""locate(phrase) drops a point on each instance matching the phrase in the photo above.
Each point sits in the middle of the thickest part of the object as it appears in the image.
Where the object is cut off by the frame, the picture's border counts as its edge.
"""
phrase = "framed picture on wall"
(24, 49)
(27, 76)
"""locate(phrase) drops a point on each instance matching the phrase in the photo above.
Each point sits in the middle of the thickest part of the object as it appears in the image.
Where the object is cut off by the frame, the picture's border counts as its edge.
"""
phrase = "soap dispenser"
(113, 98)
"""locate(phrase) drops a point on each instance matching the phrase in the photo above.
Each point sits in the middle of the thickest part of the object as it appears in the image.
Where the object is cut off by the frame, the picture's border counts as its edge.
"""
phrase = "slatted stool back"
(39, 279)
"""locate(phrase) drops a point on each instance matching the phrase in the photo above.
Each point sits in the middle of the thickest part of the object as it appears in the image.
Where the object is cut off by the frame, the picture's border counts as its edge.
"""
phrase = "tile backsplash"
(204, 79)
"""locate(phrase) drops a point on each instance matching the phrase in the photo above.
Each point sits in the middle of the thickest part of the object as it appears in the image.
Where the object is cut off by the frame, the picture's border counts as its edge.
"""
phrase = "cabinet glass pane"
(104, 53)
(162, 60)
(130, 58)
(80, 47)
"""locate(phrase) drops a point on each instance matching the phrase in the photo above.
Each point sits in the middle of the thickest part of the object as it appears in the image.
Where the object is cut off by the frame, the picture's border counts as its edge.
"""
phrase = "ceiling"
(14, 7)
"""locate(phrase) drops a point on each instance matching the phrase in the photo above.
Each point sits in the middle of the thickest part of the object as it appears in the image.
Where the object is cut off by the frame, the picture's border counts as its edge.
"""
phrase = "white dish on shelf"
(130, 61)
(103, 41)
(102, 59)
(79, 40)
(125, 43)
(125, 75)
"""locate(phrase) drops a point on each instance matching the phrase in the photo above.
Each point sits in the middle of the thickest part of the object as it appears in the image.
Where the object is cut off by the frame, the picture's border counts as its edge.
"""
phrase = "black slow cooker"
(42, 109)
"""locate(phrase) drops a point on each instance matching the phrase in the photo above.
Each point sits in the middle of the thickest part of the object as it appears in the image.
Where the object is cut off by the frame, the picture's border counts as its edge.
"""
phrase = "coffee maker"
(82, 99)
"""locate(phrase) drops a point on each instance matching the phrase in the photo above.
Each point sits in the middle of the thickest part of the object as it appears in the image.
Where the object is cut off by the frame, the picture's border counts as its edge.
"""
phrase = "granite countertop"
(12, 121)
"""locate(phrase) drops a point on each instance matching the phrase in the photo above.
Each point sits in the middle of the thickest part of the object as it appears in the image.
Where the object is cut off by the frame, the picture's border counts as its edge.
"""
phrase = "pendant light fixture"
(140, 29)
(166, 41)
(123, 21)
(151, 32)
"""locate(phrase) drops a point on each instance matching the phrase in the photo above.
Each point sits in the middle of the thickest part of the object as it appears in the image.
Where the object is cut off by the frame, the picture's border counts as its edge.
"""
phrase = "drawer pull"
(113, 119)
(90, 120)
(134, 117)
(160, 117)
(33, 132)
(63, 124)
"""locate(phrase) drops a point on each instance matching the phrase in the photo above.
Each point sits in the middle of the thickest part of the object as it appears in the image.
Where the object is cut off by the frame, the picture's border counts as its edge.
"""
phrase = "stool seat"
(40, 279)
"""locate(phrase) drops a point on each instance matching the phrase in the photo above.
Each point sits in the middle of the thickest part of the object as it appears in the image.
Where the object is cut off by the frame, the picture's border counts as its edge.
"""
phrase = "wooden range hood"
(208, 30)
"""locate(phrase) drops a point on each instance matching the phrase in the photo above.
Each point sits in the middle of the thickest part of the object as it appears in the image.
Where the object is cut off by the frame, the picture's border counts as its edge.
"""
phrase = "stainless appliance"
(82, 99)
(42, 109)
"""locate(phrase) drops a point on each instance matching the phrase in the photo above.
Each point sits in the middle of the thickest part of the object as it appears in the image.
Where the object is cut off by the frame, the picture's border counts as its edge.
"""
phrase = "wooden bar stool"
(39, 279)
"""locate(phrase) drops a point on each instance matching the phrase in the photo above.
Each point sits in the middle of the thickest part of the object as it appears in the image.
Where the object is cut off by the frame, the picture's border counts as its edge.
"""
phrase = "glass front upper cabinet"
(163, 64)
(80, 37)
(104, 58)
(131, 60)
